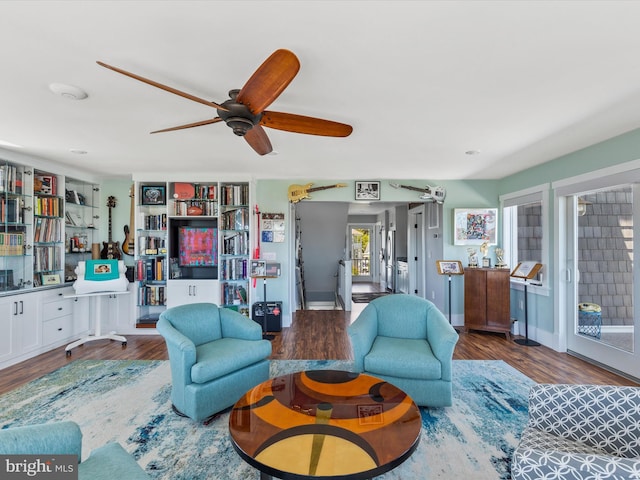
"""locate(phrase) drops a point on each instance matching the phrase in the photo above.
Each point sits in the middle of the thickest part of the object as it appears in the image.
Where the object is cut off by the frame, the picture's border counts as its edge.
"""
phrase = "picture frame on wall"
(153, 195)
(367, 190)
(475, 226)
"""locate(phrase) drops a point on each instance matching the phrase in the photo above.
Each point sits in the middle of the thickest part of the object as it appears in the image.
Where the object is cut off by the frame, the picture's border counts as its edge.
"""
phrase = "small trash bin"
(590, 319)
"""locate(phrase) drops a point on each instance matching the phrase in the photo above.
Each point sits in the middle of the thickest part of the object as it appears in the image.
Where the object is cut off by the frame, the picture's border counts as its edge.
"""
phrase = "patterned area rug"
(129, 402)
(366, 297)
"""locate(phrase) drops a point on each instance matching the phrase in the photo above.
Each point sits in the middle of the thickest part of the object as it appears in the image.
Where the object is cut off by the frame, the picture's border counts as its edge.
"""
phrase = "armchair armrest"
(362, 334)
(182, 351)
(59, 438)
(236, 325)
(442, 339)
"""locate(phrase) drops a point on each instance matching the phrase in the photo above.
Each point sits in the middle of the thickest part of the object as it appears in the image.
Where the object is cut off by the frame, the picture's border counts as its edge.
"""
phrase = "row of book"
(233, 293)
(234, 269)
(152, 295)
(154, 222)
(151, 269)
(48, 206)
(152, 245)
(11, 179)
(209, 207)
(236, 219)
(11, 244)
(11, 210)
(47, 229)
(47, 258)
(236, 244)
(234, 194)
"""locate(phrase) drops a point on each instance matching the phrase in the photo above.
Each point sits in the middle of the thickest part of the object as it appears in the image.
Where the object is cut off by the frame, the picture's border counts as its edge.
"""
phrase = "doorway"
(362, 241)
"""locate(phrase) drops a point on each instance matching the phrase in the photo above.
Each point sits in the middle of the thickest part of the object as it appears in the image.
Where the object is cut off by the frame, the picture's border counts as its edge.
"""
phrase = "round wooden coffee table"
(326, 424)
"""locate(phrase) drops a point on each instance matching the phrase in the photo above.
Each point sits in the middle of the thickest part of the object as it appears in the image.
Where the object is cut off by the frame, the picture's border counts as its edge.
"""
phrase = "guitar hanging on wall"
(128, 245)
(300, 192)
(111, 249)
(435, 194)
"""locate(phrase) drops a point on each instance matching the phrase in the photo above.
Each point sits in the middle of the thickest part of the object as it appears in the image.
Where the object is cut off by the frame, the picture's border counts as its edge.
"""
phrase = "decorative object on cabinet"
(245, 111)
(435, 194)
(486, 300)
(526, 271)
(474, 226)
(301, 192)
(153, 195)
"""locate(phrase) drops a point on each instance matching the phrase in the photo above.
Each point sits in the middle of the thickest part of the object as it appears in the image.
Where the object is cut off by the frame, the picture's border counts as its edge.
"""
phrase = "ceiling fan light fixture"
(239, 125)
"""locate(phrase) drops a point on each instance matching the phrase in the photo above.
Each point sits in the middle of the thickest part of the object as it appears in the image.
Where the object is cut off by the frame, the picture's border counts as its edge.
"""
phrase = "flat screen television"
(197, 246)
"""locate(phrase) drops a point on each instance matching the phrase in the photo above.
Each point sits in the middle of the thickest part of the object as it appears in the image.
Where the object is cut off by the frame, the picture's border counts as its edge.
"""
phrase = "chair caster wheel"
(124, 344)
(68, 353)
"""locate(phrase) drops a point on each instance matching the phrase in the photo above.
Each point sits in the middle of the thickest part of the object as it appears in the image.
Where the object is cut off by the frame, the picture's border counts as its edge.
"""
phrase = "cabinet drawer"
(57, 329)
(57, 308)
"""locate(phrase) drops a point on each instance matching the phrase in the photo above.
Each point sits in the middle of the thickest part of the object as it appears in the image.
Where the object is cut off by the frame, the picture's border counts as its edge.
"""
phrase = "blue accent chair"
(65, 438)
(408, 342)
(216, 355)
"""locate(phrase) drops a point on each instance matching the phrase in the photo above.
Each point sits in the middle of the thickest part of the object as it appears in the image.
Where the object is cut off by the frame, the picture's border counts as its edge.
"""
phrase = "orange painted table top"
(325, 424)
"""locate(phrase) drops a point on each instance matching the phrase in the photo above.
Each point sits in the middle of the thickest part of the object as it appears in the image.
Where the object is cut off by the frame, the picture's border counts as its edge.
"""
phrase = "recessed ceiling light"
(78, 151)
(472, 152)
(68, 91)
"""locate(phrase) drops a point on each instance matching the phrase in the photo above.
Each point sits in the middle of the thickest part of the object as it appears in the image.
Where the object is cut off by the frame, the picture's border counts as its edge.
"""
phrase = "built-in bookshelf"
(82, 202)
(235, 246)
(48, 228)
(151, 268)
(16, 217)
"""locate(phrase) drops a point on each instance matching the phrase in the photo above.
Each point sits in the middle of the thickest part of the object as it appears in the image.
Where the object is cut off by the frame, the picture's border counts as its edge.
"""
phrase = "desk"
(325, 424)
(97, 313)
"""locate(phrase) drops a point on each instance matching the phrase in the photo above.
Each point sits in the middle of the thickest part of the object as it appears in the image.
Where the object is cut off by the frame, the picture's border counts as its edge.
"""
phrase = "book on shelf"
(11, 244)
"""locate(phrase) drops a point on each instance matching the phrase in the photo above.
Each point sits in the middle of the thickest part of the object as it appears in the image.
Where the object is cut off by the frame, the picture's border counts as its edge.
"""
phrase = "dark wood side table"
(325, 424)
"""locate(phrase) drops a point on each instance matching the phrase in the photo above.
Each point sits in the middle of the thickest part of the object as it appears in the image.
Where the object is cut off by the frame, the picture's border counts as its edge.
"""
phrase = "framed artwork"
(367, 190)
(449, 267)
(51, 279)
(474, 226)
(153, 195)
(526, 270)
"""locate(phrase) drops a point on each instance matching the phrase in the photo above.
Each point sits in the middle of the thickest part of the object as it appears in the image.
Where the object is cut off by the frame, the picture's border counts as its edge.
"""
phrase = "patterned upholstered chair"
(216, 355)
(408, 342)
(580, 432)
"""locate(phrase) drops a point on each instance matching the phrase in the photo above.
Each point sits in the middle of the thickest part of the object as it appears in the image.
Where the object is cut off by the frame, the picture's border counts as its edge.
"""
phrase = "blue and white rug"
(129, 402)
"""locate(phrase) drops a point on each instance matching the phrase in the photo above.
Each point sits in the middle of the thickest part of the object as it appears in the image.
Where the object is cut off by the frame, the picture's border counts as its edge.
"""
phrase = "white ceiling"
(421, 82)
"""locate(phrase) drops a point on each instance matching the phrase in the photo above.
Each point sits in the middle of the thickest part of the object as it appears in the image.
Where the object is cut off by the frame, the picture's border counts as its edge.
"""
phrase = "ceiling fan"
(245, 112)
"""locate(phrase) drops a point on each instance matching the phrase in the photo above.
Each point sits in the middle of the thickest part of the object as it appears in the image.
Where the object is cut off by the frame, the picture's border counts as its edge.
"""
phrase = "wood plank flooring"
(321, 334)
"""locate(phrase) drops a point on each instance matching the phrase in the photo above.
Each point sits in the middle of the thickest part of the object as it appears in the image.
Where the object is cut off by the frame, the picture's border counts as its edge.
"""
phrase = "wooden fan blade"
(190, 125)
(269, 80)
(301, 124)
(164, 87)
(258, 139)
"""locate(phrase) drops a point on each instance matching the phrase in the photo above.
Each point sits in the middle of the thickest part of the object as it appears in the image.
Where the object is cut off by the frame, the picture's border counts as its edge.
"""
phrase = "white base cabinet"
(180, 292)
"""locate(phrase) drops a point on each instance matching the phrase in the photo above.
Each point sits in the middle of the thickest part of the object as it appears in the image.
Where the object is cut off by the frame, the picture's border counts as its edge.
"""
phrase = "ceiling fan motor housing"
(238, 117)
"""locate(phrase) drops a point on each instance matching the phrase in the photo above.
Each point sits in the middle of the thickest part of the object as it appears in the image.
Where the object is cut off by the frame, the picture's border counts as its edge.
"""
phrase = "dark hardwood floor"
(321, 334)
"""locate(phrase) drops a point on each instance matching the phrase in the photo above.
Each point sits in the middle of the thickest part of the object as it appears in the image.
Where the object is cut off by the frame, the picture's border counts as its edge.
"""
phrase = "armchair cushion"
(408, 358)
(221, 357)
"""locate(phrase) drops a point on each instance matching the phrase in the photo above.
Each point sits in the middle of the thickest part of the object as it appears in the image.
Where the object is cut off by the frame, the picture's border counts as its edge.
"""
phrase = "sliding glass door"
(602, 281)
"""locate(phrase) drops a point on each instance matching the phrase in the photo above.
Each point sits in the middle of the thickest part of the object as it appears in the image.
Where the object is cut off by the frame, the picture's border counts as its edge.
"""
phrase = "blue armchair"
(65, 438)
(216, 355)
(408, 342)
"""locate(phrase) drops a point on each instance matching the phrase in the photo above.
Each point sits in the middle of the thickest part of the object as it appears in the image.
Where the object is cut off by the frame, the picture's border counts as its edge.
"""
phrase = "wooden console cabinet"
(486, 300)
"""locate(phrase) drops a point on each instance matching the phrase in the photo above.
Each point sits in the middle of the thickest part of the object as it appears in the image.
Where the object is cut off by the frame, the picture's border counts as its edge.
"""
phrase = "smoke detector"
(68, 91)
